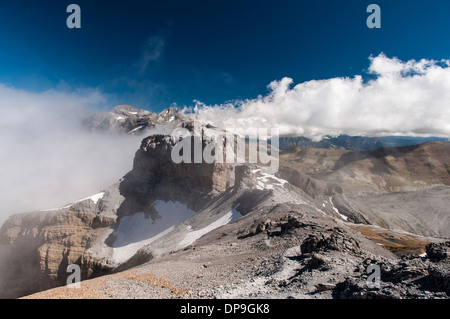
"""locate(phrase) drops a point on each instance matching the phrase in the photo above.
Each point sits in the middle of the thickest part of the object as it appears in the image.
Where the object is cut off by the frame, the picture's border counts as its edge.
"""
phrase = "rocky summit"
(237, 229)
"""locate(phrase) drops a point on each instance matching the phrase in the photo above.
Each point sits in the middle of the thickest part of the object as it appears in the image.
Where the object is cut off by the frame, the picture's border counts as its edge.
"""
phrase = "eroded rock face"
(325, 193)
(38, 247)
(153, 162)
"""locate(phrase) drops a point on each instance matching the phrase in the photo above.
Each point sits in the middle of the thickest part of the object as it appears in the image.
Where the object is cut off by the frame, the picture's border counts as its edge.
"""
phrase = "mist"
(48, 159)
(400, 98)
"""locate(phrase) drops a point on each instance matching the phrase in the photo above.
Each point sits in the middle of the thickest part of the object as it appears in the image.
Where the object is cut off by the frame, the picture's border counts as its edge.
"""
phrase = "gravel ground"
(267, 264)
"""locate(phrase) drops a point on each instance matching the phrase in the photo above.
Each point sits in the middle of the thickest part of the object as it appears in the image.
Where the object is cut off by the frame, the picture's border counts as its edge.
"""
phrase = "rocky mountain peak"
(126, 119)
(155, 160)
(127, 110)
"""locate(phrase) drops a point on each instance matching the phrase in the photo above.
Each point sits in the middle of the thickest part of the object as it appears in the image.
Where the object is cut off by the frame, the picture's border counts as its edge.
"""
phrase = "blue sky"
(152, 54)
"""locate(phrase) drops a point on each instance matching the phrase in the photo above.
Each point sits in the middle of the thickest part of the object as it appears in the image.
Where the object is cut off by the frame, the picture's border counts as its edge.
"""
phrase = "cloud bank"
(403, 98)
(47, 157)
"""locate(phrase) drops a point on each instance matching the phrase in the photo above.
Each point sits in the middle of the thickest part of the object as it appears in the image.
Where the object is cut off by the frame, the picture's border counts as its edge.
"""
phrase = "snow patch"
(268, 181)
(136, 231)
(52, 209)
(193, 235)
(95, 198)
(123, 253)
(337, 211)
(136, 129)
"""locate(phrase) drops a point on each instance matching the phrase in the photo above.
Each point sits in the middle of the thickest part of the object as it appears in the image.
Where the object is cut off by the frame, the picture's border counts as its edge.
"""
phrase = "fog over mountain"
(48, 158)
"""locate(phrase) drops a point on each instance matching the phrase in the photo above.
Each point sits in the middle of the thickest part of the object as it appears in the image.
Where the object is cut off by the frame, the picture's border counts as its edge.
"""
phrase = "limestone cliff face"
(37, 248)
(153, 160)
(155, 176)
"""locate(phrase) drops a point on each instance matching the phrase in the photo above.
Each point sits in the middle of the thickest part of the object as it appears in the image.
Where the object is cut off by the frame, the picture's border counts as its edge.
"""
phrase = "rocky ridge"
(125, 119)
(403, 188)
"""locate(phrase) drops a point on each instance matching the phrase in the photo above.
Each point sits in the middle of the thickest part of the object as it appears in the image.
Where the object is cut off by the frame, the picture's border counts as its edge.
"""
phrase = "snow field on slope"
(193, 235)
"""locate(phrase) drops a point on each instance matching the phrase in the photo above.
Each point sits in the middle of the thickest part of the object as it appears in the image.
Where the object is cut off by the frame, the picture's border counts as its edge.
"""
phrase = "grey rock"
(438, 251)
(441, 276)
(337, 241)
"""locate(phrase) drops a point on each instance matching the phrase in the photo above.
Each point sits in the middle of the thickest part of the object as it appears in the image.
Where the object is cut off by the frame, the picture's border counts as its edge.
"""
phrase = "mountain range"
(356, 143)
(239, 230)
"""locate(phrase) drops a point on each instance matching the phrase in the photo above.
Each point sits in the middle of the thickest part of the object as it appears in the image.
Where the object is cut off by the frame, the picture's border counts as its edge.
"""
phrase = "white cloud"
(405, 98)
(153, 50)
(47, 158)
